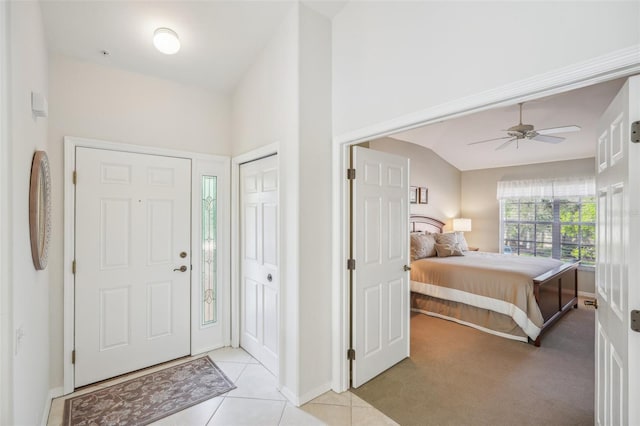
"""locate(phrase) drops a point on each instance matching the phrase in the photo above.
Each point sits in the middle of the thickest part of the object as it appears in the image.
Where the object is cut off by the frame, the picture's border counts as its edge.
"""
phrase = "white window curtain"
(584, 186)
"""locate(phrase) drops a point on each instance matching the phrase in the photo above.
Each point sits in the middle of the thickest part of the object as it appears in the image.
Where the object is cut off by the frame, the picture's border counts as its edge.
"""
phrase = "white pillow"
(462, 241)
(446, 250)
(422, 245)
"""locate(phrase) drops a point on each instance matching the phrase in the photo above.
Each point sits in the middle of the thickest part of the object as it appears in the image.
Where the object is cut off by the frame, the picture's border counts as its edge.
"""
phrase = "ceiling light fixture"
(166, 41)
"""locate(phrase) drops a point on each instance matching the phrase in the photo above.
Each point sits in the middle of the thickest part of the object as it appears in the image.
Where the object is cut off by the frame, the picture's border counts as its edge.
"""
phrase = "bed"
(510, 296)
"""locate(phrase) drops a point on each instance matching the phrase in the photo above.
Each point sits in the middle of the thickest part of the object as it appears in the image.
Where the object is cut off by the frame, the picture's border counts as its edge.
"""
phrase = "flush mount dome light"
(166, 41)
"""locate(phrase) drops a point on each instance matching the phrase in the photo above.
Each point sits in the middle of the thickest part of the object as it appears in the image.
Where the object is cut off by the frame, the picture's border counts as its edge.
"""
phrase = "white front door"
(132, 237)
(618, 182)
(260, 281)
(380, 288)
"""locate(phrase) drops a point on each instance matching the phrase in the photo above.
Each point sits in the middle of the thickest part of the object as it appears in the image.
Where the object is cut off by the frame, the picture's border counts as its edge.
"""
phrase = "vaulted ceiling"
(221, 39)
(583, 107)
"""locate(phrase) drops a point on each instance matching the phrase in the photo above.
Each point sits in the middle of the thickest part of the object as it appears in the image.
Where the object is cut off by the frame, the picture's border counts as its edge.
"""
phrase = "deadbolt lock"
(183, 254)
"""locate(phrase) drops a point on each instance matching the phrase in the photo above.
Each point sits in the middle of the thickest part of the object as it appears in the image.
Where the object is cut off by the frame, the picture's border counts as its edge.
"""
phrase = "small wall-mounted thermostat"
(39, 105)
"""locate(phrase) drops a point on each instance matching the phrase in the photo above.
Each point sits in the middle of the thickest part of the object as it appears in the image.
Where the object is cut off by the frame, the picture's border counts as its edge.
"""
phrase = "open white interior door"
(380, 248)
(618, 183)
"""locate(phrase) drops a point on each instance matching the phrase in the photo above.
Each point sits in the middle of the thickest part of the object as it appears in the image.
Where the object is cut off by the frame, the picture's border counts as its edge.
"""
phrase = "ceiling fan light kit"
(527, 131)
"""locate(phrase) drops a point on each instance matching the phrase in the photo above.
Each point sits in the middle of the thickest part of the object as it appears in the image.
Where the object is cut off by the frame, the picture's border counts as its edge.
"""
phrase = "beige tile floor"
(255, 401)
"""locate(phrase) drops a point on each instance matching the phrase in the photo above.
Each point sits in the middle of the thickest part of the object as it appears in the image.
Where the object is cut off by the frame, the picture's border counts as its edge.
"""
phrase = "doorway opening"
(511, 96)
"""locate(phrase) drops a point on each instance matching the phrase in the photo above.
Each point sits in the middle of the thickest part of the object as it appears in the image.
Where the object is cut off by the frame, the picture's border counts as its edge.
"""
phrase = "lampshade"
(166, 41)
(462, 224)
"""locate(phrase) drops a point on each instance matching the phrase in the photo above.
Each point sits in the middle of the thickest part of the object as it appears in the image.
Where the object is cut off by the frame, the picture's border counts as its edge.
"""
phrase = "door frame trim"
(70, 145)
(620, 63)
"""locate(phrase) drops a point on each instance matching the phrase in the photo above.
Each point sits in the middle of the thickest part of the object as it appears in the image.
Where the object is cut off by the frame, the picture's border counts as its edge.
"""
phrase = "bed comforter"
(502, 284)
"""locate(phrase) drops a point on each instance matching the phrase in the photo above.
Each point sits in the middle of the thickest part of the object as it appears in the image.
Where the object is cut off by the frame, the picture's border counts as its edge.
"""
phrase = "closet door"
(260, 280)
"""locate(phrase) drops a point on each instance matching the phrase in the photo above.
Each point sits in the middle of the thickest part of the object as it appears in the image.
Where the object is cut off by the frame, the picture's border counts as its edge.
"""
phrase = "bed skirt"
(482, 319)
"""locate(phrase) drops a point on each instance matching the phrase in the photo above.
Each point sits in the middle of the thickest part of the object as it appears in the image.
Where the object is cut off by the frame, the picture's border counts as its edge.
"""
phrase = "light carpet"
(461, 376)
(148, 398)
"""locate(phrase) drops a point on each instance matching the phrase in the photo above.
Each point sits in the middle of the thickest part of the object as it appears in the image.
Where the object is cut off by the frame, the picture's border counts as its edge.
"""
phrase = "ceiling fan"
(527, 131)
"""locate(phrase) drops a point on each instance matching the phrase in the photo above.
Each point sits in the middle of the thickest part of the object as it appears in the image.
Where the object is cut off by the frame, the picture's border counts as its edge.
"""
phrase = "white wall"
(285, 98)
(479, 203)
(395, 58)
(429, 170)
(315, 203)
(101, 102)
(265, 110)
(29, 288)
(5, 226)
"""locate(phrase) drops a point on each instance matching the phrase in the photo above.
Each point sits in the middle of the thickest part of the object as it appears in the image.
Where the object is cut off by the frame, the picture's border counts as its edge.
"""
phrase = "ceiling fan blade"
(489, 140)
(547, 138)
(563, 129)
(506, 144)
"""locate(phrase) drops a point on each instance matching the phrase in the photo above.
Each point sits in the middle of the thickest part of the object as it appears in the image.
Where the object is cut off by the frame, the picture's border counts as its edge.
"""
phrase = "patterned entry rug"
(148, 398)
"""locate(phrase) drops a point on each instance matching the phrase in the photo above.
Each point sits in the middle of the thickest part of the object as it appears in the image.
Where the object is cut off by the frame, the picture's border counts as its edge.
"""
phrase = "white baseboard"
(586, 294)
(308, 396)
(314, 393)
(290, 395)
(53, 393)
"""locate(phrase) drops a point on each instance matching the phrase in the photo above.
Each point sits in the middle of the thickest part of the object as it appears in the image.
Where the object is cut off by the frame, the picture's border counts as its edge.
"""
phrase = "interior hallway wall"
(265, 110)
(100, 102)
(285, 98)
(394, 58)
(29, 289)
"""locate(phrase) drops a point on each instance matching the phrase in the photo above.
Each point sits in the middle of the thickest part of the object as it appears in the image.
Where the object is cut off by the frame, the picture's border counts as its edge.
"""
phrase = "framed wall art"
(413, 194)
(423, 196)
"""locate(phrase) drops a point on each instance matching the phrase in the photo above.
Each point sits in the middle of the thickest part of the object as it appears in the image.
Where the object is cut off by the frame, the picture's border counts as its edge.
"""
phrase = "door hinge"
(351, 354)
(73, 356)
(635, 320)
(351, 264)
(351, 174)
(74, 178)
(73, 267)
(635, 132)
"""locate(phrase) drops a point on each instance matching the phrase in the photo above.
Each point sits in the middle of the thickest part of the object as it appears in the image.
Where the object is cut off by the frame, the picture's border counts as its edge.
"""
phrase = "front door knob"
(183, 268)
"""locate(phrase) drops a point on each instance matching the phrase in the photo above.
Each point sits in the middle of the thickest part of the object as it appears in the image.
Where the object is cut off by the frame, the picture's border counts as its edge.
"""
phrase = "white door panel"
(618, 244)
(380, 305)
(260, 294)
(132, 221)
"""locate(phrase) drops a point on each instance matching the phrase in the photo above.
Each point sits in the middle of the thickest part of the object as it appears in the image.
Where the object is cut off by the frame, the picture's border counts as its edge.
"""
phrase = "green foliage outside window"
(562, 228)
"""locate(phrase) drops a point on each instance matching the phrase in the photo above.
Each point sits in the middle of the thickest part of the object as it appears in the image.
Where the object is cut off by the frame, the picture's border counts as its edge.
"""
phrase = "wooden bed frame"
(556, 291)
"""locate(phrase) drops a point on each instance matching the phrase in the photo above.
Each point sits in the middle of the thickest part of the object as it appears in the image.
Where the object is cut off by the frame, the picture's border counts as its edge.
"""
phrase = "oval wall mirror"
(40, 209)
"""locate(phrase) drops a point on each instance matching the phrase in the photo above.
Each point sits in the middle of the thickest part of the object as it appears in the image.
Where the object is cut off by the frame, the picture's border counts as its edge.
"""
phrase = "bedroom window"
(549, 217)
(561, 228)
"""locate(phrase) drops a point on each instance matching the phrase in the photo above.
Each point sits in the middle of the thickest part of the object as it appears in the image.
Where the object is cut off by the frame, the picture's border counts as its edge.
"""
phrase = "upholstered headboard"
(419, 223)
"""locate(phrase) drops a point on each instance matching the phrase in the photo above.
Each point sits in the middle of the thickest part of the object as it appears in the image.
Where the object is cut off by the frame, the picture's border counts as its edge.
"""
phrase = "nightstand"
(474, 248)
